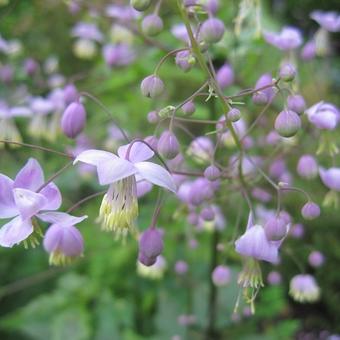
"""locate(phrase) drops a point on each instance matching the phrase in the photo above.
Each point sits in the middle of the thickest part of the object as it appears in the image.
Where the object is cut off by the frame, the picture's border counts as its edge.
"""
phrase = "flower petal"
(94, 157)
(28, 202)
(15, 231)
(30, 176)
(139, 152)
(61, 218)
(53, 197)
(156, 174)
(7, 204)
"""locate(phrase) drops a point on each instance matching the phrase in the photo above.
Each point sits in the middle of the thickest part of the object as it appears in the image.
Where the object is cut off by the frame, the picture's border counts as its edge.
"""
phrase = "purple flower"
(73, 120)
(307, 167)
(289, 38)
(316, 259)
(123, 13)
(310, 211)
(63, 241)
(274, 278)
(119, 207)
(168, 145)
(268, 93)
(118, 55)
(150, 246)
(201, 148)
(184, 60)
(287, 123)
(181, 267)
(303, 288)
(20, 201)
(331, 178)
(323, 115)
(152, 25)
(88, 31)
(254, 243)
(296, 103)
(152, 86)
(221, 276)
(308, 51)
(225, 76)
(212, 30)
(330, 21)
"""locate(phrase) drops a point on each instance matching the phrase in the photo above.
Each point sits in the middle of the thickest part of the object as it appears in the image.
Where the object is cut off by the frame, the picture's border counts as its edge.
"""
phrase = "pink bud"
(234, 115)
(73, 119)
(307, 167)
(153, 117)
(212, 173)
(168, 145)
(310, 211)
(189, 108)
(275, 229)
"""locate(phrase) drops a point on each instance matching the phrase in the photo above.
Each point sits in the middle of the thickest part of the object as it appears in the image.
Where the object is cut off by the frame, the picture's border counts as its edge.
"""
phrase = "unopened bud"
(168, 145)
(212, 30)
(73, 120)
(310, 211)
(287, 72)
(152, 86)
(287, 123)
(152, 25)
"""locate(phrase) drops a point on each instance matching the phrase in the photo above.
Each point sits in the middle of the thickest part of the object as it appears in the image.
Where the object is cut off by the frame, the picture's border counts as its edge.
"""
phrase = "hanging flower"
(119, 207)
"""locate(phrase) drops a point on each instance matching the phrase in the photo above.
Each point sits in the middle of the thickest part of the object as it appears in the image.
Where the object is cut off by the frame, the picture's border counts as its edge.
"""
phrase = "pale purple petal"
(30, 177)
(53, 196)
(95, 157)
(28, 202)
(143, 187)
(15, 231)
(331, 178)
(7, 204)
(60, 218)
(156, 174)
(139, 152)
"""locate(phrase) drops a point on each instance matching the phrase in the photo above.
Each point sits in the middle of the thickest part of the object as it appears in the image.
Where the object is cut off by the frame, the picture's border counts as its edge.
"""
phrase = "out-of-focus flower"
(330, 21)
(331, 178)
(221, 276)
(212, 30)
(20, 201)
(303, 288)
(122, 13)
(119, 207)
(118, 55)
(154, 272)
(316, 259)
(308, 51)
(40, 108)
(267, 94)
(201, 149)
(225, 76)
(152, 86)
(274, 278)
(181, 267)
(323, 115)
(63, 241)
(307, 167)
(152, 25)
(289, 38)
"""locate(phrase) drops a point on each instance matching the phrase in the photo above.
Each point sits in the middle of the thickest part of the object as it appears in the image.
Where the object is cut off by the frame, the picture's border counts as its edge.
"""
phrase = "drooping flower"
(150, 246)
(154, 272)
(303, 288)
(254, 243)
(289, 38)
(63, 241)
(331, 178)
(119, 207)
(221, 276)
(20, 201)
(330, 21)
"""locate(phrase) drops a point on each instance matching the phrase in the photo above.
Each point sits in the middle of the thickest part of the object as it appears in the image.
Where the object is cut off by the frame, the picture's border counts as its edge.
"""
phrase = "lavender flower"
(287, 123)
(20, 201)
(274, 278)
(323, 115)
(212, 30)
(152, 86)
(316, 259)
(150, 246)
(308, 51)
(73, 120)
(118, 55)
(330, 21)
(181, 267)
(62, 241)
(289, 38)
(331, 178)
(221, 276)
(225, 76)
(303, 288)
(119, 207)
(267, 94)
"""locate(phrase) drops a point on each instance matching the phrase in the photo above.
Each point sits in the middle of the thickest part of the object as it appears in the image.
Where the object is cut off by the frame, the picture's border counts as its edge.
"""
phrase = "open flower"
(324, 115)
(19, 199)
(119, 207)
(303, 288)
(254, 243)
(63, 241)
(288, 39)
(330, 21)
(331, 178)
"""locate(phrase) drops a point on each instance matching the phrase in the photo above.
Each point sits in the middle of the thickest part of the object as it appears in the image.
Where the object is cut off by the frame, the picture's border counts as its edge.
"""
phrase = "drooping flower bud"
(140, 5)
(234, 115)
(189, 108)
(207, 214)
(168, 145)
(287, 123)
(260, 98)
(296, 103)
(275, 228)
(212, 30)
(307, 167)
(225, 76)
(310, 211)
(152, 141)
(316, 259)
(185, 60)
(221, 276)
(150, 246)
(287, 72)
(192, 218)
(153, 117)
(152, 86)
(212, 173)
(73, 120)
(152, 25)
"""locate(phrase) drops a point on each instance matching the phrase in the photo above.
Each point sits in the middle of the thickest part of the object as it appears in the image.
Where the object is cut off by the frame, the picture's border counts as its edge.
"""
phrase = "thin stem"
(157, 209)
(166, 57)
(103, 107)
(297, 190)
(87, 198)
(37, 147)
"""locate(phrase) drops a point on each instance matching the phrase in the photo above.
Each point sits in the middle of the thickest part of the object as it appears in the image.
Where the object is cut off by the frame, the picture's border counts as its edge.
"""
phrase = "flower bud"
(152, 86)
(153, 117)
(207, 214)
(189, 108)
(307, 167)
(151, 243)
(70, 94)
(275, 229)
(287, 72)
(212, 173)
(316, 259)
(73, 119)
(140, 5)
(234, 115)
(310, 211)
(152, 25)
(212, 30)
(185, 60)
(221, 276)
(287, 123)
(152, 141)
(168, 145)
(225, 76)
(260, 98)
(147, 261)
(308, 51)
(296, 103)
